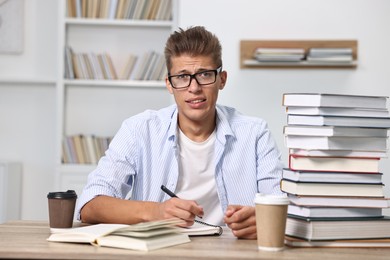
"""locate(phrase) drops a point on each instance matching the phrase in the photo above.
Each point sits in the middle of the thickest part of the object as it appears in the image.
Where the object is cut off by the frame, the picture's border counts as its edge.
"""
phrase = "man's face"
(196, 103)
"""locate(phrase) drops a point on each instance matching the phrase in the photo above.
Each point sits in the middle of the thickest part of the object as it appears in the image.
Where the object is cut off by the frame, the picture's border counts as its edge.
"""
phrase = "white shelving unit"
(98, 107)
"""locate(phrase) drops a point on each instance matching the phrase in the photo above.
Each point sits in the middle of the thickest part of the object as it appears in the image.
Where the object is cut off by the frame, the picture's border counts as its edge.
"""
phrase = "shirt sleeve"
(114, 173)
(269, 164)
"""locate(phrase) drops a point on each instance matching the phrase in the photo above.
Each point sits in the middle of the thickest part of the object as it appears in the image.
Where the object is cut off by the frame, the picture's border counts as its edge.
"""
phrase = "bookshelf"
(97, 107)
(247, 48)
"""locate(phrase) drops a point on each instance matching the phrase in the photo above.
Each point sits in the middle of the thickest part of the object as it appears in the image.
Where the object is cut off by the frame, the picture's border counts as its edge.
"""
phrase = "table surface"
(27, 239)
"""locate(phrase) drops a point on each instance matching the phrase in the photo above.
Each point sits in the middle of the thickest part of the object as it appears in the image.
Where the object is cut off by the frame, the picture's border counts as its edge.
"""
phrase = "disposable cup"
(61, 208)
(271, 216)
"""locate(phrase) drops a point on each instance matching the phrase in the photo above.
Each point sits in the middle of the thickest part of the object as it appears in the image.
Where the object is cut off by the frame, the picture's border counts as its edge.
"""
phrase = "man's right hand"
(186, 210)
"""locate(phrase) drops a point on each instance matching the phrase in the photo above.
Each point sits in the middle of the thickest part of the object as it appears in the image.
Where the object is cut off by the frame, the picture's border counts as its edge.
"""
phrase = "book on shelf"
(334, 131)
(79, 148)
(333, 100)
(323, 176)
(143, 236)
(337, 111)
(69, 70)
(349, 243)
(333, 212)
(330, 51)
(336, 143)
(335, 164)
(338, 153)
(330, 59)
(375, 122)
(337, 228)
(112, 9)
(279, 54)
(326, 201)
(279, 57)
(332, 189)
(281, 51)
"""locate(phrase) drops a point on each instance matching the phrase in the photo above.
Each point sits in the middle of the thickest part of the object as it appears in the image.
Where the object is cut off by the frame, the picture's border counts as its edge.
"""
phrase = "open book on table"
(144, 236)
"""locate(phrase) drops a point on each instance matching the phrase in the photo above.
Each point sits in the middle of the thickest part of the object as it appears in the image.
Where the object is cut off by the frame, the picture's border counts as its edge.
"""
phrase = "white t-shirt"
(197, 176)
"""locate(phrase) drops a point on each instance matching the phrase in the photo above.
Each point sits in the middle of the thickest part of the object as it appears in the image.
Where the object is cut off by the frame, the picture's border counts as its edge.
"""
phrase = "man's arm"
(105, 209)
(241, 220)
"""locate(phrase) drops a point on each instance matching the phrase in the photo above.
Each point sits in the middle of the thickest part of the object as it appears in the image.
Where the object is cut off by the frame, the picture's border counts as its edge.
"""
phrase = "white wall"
(27, 112)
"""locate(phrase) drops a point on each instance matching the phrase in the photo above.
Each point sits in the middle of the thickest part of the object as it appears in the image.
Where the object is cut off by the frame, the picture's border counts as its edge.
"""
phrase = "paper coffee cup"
(271, 216)
(61, 208)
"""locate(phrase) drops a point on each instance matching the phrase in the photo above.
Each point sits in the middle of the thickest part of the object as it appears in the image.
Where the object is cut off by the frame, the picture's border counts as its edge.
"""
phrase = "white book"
(334, 131)
(279, 57)
(341, 228)
(332, 189)
(337, 111)
(329, 51)
(112, 10)
(337, 201)
(334, 100)
(333, 59)
(336, 177)
(333, 212)
(375, 122)
(281, 51)
(339, 153)
(336, 143)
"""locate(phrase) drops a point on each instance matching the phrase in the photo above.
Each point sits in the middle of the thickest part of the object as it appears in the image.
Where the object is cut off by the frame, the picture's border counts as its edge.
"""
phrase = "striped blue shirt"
(143, 155)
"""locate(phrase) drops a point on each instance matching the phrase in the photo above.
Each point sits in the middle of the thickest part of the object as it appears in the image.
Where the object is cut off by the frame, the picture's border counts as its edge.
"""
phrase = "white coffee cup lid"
(271, 199)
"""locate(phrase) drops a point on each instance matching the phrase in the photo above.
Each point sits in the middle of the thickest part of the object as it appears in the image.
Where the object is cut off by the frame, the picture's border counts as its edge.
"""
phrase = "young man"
(211, 156)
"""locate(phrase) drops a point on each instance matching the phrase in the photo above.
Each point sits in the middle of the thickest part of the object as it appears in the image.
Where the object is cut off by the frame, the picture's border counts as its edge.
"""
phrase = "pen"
(173, 195)
(167, 191)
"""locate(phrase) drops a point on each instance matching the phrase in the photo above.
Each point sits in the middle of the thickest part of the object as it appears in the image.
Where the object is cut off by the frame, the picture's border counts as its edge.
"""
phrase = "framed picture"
(11, 26)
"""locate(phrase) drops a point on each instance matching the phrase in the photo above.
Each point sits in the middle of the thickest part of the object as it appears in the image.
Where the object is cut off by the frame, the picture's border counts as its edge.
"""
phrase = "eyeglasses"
(206, 77)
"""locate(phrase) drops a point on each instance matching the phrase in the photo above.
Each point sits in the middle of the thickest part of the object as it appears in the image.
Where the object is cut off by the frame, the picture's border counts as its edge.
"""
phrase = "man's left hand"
(242, 221)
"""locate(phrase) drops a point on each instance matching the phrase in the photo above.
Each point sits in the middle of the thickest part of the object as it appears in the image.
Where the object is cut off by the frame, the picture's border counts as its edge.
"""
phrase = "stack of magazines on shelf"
(333, 177)
(330, 55)
(279, 54)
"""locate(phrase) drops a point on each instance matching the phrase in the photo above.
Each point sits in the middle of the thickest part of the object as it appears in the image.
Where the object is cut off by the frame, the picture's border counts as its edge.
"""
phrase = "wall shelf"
(247, 48)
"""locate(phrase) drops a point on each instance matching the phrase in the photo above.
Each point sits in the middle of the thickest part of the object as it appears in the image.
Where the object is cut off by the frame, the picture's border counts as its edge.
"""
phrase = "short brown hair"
(195, 41)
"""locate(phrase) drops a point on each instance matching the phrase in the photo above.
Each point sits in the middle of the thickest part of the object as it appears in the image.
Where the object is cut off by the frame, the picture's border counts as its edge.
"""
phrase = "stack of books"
(333, 177)
(279, 54)
(330, 55)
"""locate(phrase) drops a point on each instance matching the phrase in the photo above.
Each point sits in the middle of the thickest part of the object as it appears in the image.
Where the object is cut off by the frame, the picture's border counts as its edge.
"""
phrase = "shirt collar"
(224, 130)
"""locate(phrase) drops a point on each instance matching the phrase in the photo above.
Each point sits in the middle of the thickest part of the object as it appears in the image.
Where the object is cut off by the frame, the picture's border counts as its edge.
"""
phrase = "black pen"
(173, 195)
(167, 191)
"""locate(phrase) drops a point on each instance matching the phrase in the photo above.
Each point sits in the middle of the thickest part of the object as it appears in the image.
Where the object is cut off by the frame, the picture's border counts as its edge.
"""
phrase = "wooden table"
(27, 239)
